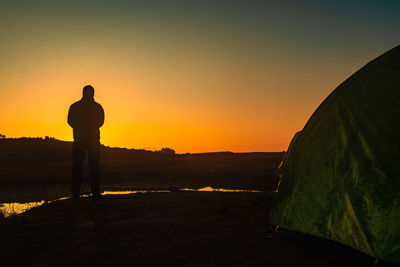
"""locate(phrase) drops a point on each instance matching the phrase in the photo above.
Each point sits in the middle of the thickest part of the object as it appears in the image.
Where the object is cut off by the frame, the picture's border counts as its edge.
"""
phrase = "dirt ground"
(153, 229)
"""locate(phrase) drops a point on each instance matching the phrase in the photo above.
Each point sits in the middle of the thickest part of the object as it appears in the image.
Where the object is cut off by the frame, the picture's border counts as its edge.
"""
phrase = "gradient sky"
(195, 76)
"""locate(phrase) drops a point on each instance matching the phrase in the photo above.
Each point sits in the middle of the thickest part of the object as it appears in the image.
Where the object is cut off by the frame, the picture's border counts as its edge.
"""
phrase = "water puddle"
(9, 209)
(211, 189)
(126, 192)
(15, 208)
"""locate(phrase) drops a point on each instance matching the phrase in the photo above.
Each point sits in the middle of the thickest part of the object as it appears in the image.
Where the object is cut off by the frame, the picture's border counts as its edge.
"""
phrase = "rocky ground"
(153, 229)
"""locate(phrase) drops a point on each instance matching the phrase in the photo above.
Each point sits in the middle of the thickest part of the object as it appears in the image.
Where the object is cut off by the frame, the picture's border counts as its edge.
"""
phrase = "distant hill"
(38, 163)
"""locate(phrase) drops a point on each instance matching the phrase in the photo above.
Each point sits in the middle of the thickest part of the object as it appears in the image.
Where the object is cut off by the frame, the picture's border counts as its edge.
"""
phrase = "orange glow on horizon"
(139, 116)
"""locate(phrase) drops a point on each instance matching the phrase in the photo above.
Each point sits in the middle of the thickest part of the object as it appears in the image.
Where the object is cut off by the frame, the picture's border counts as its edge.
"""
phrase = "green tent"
(340, 179)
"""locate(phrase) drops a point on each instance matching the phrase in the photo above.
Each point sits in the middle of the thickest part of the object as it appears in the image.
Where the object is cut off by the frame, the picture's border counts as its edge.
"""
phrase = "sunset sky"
(196, 76)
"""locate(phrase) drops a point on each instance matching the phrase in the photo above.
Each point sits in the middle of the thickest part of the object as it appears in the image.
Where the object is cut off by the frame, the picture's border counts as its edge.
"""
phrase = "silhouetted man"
(86, 117)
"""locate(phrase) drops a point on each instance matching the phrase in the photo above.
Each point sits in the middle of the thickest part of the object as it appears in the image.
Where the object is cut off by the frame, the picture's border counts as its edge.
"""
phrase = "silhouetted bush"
(167, 150)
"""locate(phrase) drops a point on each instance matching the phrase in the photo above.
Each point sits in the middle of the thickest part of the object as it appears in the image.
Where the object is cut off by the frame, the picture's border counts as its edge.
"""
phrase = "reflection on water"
(126, 192)
(14, 208)
(211, 189)
(9, 209)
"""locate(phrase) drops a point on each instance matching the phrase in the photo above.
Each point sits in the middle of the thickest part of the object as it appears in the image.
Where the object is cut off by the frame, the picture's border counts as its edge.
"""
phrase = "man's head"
(88, 91)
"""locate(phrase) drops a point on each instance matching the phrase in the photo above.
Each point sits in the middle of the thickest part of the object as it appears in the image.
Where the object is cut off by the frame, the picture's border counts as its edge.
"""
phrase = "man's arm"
(101, 116)
(71, 116)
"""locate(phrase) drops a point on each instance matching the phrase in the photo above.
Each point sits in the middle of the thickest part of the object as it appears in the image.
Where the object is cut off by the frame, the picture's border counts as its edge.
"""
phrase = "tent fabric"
(340, 178)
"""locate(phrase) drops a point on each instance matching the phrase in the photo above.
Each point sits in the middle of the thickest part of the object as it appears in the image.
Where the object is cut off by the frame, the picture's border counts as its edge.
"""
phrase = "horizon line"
(48, 138)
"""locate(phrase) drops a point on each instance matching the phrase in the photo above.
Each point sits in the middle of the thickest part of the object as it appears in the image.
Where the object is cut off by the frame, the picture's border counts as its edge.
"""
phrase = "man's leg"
(78, 155)
(94, 163)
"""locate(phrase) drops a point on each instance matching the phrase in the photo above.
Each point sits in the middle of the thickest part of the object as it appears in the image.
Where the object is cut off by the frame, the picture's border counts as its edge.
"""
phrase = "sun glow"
(193, 77)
